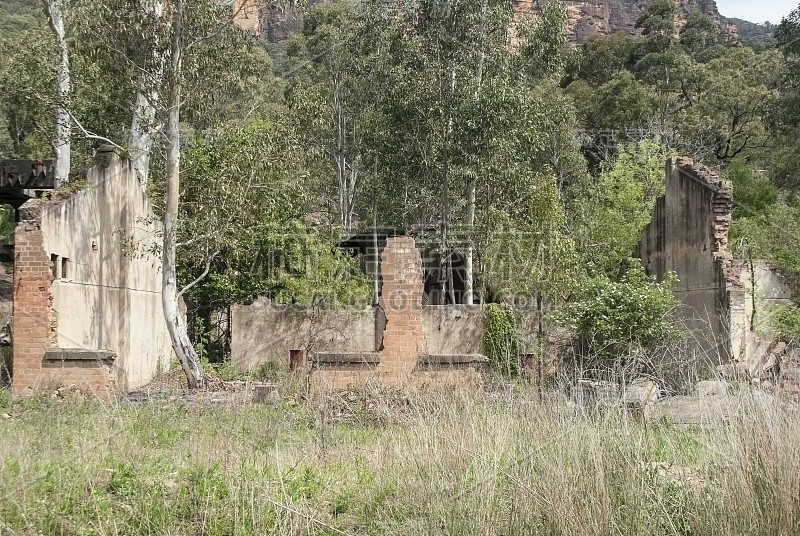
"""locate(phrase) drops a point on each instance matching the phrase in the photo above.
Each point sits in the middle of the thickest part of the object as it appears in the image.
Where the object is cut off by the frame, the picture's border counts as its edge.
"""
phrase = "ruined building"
(87, 294)
(688, 235)
(87, 286)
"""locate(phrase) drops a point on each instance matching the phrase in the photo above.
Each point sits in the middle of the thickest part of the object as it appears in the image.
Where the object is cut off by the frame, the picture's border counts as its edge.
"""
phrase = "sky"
(757, 10)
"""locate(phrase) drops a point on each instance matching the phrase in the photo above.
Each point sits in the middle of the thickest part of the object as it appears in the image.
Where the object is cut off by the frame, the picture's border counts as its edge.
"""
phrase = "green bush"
(785, 320)
(615, 317)
(501, 338)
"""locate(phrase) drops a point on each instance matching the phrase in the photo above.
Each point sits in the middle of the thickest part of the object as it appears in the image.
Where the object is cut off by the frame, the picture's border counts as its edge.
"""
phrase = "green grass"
(376, 463)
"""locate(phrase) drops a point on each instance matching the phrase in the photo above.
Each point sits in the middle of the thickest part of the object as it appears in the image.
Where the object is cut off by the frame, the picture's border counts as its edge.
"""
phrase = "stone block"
(790, 374)
(712, 388)
(591, 393)
(733, 371)
(266, 393)
(642, 392)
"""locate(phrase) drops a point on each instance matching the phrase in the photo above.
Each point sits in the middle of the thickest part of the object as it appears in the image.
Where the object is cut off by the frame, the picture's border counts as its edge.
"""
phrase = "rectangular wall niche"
(59, 266)
(55, 266)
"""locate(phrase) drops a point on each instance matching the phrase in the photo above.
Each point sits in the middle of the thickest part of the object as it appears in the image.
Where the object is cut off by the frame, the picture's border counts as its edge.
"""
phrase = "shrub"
(615, 317)
(501, 338)
(785, 320)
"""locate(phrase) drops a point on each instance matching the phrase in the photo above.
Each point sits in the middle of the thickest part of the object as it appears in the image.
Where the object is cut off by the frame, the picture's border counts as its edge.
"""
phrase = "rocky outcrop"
(586, 18)
(604, 17)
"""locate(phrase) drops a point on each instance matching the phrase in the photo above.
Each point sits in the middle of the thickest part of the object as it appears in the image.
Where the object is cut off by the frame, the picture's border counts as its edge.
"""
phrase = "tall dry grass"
(377, 462)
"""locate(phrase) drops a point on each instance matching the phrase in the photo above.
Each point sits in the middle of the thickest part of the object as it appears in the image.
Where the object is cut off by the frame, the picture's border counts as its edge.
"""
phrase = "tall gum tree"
(144, 124)
(62, 139)
(199, 42)
(176, 324)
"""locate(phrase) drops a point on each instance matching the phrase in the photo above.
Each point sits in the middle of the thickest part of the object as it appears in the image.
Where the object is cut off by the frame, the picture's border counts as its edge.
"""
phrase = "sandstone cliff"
(586, 18)
(604, 17)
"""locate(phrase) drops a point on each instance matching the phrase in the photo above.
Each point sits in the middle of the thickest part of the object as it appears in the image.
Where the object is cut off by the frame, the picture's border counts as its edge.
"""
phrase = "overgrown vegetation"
(621, 318)
(373, 464)
(501, 339)
(376, 114)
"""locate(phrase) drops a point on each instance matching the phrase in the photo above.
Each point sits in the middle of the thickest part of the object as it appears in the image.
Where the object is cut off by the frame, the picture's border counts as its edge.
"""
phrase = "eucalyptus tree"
(27, 95)
(456, 114)
(334, 90)
(175, 60)
(62, 138)
(784, 119)
(200, 32)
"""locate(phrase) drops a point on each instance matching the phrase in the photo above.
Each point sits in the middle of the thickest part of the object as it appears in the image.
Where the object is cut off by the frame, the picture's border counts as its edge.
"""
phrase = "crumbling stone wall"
(688, 235)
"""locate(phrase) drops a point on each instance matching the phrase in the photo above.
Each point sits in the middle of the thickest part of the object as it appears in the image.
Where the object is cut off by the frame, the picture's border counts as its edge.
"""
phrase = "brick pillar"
(33, 319)
(401, 301)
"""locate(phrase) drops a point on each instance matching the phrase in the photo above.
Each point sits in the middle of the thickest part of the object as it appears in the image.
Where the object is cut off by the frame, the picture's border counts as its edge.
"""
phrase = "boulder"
(595, 393)
(734, 371)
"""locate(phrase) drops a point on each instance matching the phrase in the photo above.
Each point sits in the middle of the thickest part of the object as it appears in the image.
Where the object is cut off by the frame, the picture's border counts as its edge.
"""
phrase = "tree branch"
(201, 276)
(92, 136)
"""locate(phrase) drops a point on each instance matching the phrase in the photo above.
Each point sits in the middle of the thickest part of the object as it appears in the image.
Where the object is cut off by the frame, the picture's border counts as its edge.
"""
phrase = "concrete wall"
(453, 329)
(763, 288)
(101, 283)
(264, 332)
(688, 235)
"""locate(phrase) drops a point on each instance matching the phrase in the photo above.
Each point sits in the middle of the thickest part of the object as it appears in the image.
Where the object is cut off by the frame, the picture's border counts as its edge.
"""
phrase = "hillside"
(19, 15)
(751, 33)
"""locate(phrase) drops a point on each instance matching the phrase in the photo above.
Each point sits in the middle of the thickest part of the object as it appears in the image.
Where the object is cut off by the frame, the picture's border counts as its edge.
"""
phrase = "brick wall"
(401, 301)
(35, 323)
(403, 341)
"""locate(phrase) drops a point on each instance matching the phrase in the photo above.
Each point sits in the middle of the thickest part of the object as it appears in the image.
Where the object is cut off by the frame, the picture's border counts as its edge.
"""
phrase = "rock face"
(586, 18)
(605, 17)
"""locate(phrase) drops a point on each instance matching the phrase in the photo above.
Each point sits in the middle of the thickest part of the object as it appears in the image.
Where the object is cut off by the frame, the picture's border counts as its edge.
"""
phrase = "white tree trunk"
(469, 288)
(346, 170)
(176, 325)
(143, 125)
(61, 141)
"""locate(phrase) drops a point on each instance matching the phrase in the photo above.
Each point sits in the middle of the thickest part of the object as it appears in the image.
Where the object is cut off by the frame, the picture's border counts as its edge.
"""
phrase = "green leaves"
(242, 212)
(501, 339)
(613, 317)
(613, 209)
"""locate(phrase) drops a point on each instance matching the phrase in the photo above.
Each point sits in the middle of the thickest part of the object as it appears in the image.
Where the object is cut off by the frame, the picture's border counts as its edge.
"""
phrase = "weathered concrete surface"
(764, 288)
(85, 278)
(453, 329)
(264, 332)
(710, 410)
(688, 235)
